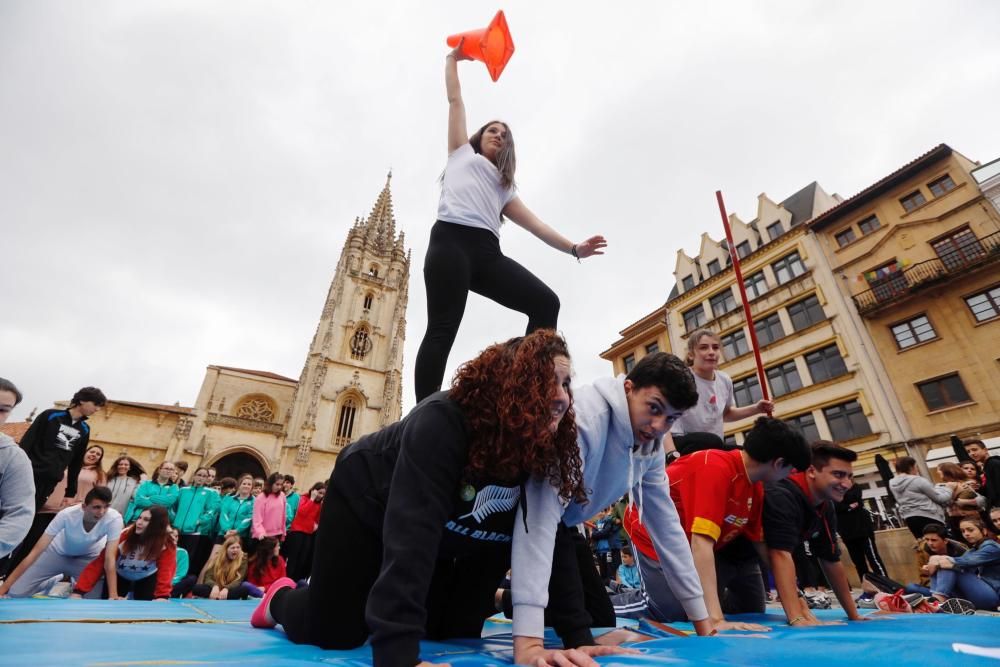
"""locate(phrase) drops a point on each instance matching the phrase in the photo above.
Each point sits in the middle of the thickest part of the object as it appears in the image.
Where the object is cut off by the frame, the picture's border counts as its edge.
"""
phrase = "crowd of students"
(118, 533)
(495, 479)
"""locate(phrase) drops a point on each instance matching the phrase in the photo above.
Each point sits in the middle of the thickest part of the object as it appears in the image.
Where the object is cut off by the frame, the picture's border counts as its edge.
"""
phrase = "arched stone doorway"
(239, 463)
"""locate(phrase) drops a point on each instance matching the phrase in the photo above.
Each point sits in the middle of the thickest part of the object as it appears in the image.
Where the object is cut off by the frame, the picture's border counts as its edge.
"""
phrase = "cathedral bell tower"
(351, 383)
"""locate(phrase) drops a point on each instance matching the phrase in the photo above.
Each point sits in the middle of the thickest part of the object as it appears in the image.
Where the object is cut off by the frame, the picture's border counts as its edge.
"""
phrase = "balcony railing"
(897, 286)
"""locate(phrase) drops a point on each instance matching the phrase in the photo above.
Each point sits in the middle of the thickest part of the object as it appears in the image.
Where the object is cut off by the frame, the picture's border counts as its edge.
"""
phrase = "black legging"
(330, 613)
(917, 523)
(460, 259)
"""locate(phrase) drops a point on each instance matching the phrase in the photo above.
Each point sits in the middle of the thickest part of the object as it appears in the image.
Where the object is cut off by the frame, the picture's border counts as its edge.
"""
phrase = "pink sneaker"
(261, 617)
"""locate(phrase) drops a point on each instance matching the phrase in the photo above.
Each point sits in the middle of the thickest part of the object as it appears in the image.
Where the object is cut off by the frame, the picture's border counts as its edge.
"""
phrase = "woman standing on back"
(477, 190)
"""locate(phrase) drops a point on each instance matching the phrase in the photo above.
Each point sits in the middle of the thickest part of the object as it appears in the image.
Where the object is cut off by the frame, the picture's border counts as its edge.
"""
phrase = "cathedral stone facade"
(260, 422)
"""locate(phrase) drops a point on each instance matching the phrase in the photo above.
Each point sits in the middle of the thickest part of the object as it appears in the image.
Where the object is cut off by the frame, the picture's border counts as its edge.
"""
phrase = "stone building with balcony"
(260, 422)
(918, 255)
(820, 368)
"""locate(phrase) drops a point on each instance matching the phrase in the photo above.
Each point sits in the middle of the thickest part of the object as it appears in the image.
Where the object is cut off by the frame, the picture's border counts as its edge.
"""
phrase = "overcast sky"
(177, 178)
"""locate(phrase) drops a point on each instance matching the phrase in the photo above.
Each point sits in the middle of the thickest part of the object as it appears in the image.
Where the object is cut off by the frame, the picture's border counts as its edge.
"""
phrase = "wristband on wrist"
(796, 620)
(573, 252)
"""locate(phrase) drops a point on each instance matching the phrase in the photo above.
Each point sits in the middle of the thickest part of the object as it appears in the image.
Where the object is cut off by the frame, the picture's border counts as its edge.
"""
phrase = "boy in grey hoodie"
(620, 422)
(920, 502)
(17, 488)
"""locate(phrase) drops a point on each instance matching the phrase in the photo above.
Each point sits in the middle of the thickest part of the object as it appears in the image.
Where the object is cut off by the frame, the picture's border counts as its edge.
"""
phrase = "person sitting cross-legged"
(974, 576)
(224, 577)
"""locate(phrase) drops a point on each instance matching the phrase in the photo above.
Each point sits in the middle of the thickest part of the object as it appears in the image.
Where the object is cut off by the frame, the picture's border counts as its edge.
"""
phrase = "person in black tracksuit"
(57, 440)
(430, 540)
(854, 523)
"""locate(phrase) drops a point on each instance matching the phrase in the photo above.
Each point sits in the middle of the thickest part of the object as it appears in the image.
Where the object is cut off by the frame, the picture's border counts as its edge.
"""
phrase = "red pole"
(743, 296)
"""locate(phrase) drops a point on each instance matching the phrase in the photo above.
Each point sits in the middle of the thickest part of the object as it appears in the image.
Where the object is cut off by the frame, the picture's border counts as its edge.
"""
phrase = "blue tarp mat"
(96, 633)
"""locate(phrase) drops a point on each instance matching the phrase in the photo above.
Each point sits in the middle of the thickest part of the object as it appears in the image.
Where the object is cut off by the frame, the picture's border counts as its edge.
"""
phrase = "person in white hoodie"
(17, 488)
(620, 423)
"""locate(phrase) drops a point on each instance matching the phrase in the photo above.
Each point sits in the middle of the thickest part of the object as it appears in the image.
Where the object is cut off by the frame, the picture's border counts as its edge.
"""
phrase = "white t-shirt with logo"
(471, 192)
(714, 396)
(70, 539)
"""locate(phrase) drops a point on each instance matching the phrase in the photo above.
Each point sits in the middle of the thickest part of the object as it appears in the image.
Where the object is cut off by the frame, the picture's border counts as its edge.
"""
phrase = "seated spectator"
(145, 561)
(183, 560)
(269, 510)
(266, 567)
(298, 545)
(995, 519)
(16, 483)
(160, 491)
(224, 579)
(124, 477)
(935, 542)
(628, 571)
(973, 576)
(919, 502)
(70, 541)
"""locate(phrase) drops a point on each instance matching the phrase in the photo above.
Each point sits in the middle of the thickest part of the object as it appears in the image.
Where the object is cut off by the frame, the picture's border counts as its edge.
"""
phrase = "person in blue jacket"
(974, 576)
(160, 490)
(195, 516)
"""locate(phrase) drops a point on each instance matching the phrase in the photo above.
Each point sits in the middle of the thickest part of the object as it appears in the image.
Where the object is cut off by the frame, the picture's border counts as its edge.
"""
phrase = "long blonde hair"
(225, 571)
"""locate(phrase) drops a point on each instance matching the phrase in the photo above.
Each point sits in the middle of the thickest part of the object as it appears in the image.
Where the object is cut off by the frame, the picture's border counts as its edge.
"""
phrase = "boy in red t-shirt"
(719, 496)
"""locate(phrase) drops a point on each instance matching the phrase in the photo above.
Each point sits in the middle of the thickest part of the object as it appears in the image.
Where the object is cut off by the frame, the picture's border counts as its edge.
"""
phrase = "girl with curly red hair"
(430, 504)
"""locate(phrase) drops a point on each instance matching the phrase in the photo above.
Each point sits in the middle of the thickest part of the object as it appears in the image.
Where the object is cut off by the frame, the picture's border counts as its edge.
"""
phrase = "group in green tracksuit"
(291, 501)
(235, 514)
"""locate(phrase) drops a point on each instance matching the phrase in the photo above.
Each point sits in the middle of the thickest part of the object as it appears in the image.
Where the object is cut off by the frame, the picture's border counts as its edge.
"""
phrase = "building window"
(769, 329)
(913, 200)
(806, 313)
(714, 267)
(887, 281)
(825, 364)
(911, 332)
(652, 348)
(694, 318)
(869, 225)
(735, 344)
(373, 270)
(775, 230)
(688, 283)
(941, 185)
(345, 424)
(743, 249)
(943, 392)
(755, 285)
(806, 425)
(985, 305)
(369, 299)
(845, 237)
(723, 302)
(361, 343)
(784, 378)
(959, 249)
(747, 391)
(847, 421)
(788, 267)
(629, 361)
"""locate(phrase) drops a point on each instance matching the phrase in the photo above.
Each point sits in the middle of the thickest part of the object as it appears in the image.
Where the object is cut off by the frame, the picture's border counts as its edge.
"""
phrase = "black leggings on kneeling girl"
(461, 259)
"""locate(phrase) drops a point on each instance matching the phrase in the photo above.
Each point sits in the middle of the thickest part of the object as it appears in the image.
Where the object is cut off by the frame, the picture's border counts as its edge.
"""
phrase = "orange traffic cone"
(492, 44)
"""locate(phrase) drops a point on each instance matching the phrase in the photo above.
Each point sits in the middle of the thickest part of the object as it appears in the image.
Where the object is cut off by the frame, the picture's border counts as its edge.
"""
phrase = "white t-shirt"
(714, 396)
(471, 193)
(70, 539)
